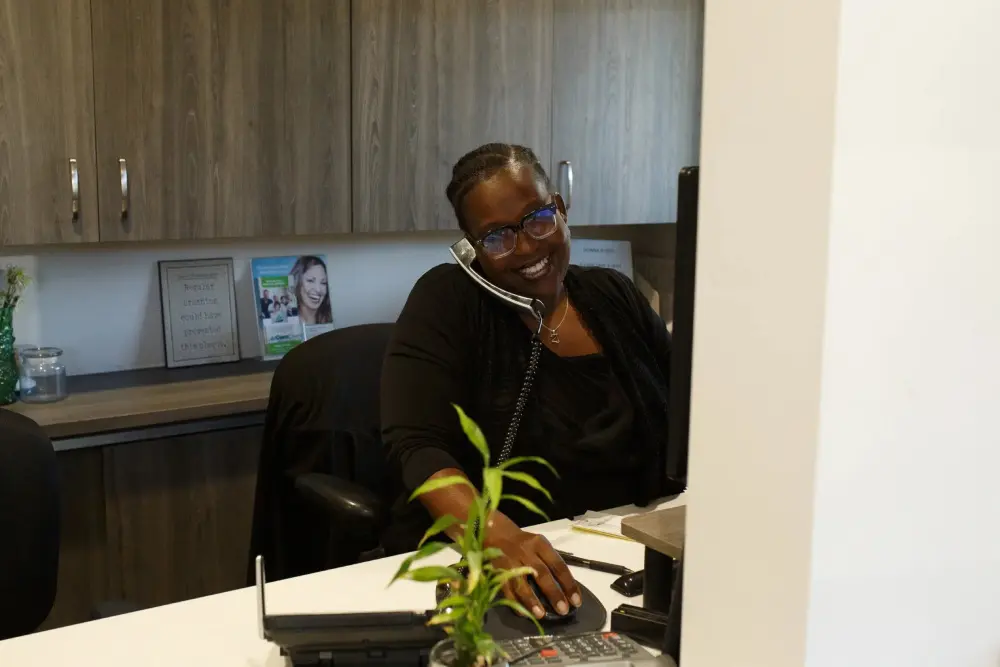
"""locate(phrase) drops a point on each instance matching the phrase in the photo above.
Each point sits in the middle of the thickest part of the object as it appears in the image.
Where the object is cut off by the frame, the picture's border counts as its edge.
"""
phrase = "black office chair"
(29, 525)
(322, 484)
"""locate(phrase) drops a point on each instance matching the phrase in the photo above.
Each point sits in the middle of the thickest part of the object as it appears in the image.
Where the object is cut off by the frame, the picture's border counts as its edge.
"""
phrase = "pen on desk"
(596, 565)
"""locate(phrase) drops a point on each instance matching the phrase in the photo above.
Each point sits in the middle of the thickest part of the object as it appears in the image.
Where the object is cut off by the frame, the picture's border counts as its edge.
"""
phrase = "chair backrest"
(29, 525)
(322, 416)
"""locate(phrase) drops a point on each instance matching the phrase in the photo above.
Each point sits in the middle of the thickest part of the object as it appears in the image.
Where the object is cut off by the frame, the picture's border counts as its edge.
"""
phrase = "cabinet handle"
(568, 194)
(123, 170)
(74, 185)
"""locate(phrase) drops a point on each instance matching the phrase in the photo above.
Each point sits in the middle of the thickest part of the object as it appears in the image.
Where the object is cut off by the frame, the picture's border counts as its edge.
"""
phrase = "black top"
(584, 429)
(599, 419)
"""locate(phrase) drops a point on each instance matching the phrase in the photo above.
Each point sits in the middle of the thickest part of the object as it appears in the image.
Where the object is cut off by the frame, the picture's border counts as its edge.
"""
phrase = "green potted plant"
(475, 582)
(11, 289)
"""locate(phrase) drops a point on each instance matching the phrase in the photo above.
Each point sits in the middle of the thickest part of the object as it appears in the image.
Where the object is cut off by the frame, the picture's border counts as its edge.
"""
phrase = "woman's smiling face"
(514, 198)
(313, 288)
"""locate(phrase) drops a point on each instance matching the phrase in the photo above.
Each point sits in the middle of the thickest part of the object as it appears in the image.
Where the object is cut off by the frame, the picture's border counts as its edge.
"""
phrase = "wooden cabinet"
(178, 514)
(626, 105)
(46, 121)
(434, 79)
(156, 521)
(222, 119)
(202, 119)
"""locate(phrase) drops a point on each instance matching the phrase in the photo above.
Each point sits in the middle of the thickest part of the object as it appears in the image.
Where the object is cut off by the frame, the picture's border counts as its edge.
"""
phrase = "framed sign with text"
(198, 298)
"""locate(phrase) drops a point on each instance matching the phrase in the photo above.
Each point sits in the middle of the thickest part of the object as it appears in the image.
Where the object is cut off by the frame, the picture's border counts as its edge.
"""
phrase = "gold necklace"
(554, 332)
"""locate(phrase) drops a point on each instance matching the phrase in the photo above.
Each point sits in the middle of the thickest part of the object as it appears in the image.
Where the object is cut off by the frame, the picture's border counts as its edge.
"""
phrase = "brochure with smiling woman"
(292, 298)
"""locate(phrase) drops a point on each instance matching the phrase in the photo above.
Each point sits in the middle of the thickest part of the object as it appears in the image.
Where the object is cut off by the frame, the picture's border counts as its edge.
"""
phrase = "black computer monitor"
(680, 374)
(683, 327)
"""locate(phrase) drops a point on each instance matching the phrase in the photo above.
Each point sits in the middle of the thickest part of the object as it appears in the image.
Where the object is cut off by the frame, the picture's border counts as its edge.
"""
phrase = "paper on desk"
(599, 523)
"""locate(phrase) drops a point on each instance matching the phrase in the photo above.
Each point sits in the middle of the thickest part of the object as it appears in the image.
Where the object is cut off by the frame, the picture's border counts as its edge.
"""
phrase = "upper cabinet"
(434, 79)
(626, 106)
(221, 119)
(130, 120)
(48, 186)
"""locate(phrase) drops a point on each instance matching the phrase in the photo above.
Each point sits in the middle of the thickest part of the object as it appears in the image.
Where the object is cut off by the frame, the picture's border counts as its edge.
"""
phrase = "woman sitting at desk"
(598, 408)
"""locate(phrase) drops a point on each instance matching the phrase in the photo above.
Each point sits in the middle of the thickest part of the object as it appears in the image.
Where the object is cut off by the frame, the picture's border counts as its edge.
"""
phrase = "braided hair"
(483, 163)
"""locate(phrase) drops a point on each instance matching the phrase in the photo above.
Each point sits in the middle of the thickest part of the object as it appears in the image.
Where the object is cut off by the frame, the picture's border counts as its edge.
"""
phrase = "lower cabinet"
(155, 521)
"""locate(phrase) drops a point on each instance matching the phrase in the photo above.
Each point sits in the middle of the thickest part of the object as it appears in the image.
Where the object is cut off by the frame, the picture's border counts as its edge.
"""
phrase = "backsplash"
(101, 304)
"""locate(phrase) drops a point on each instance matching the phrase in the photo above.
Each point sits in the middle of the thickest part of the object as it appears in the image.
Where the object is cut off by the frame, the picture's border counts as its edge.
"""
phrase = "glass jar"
(43, 375)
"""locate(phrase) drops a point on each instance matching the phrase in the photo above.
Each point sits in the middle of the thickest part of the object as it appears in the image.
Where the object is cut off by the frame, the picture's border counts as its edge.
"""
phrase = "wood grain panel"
(83, 563)
(46, 118)
(627, 105)
(179, 513)
(434, 79)
(662, 530)
(137, 407)
(233, 117)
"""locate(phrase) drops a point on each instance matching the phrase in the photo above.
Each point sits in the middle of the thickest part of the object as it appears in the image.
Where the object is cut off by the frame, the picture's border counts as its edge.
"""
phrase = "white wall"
(845, 444)
(101, 305)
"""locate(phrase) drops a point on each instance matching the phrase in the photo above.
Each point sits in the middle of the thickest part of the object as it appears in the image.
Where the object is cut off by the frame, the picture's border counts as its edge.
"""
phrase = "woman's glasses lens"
(499, 242)
(539, 225)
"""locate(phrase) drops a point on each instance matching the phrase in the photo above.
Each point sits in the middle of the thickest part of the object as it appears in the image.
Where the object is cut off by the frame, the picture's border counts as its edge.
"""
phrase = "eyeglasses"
(539, 224)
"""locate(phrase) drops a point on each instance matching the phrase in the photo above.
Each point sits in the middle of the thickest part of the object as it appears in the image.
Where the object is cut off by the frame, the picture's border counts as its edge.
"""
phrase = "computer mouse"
(552, 617)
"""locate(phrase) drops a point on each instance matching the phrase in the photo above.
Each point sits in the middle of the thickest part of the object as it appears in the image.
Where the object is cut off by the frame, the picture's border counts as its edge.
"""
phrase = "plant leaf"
(439, 483)
(433, 573)
(509, 463)
(504, 576)
(474, 434)
(491, 553)
(519, 608)
(425, 551)
(475, 559)
(473, 520)
(493, 485)
(442, 524)
(453, 601)
(527, 479)
(527, 503)
(447, 617)
(485, 646)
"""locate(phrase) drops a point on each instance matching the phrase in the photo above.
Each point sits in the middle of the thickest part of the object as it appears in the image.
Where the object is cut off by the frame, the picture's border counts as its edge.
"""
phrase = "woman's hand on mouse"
(521, 548)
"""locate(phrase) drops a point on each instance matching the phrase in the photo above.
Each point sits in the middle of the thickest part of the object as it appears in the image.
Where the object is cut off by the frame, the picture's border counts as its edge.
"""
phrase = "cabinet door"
(179, 513)
(627, 105)
(222, 119)
(46, 121)
(434, 79)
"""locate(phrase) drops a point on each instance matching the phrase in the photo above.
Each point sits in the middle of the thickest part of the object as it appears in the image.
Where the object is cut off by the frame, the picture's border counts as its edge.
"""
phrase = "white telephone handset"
(465, 254)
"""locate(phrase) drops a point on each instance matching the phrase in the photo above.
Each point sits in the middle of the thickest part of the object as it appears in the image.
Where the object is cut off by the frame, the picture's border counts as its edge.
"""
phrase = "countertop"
(153, 397)
(662, 530)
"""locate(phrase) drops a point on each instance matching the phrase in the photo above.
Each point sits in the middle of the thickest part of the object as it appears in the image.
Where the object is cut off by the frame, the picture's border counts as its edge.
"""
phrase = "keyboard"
(590, 649)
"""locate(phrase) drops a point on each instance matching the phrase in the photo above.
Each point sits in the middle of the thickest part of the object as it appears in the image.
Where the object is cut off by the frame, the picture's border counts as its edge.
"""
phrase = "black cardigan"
(454, 343)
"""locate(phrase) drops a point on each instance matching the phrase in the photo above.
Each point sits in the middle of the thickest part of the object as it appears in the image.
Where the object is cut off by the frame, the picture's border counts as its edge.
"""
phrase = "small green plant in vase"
(475, 582)
(11, 289)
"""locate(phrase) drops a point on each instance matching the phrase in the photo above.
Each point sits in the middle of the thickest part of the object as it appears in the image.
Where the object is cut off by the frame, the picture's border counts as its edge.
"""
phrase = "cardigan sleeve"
(423, 373)
(651, 326)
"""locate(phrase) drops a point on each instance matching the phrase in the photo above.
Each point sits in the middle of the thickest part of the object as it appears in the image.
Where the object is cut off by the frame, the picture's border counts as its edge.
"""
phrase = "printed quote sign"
(199, 312)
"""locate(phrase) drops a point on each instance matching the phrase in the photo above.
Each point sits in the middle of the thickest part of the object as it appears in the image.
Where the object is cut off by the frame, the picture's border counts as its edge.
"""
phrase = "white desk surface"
(221, 630)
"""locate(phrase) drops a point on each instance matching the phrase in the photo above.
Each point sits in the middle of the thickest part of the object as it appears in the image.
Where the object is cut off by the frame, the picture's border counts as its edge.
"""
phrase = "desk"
(137, 407)
(221, 630)
(140, 453)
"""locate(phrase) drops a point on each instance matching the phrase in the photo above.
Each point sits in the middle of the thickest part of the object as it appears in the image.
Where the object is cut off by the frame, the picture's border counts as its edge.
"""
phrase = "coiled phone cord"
(522, 399)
